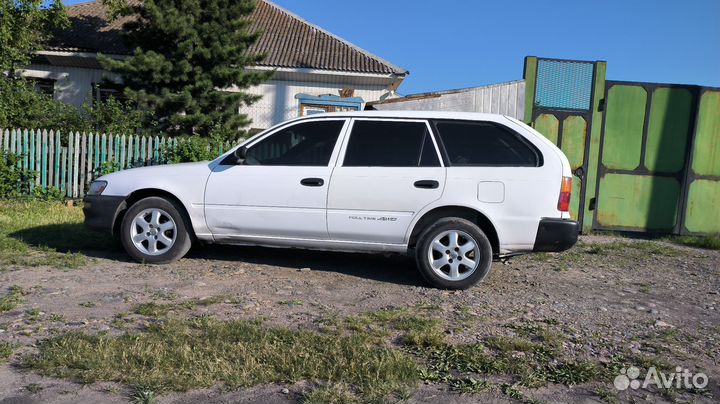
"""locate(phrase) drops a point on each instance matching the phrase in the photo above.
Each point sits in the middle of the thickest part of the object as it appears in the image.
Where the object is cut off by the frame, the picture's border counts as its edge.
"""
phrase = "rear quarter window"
(469, 143)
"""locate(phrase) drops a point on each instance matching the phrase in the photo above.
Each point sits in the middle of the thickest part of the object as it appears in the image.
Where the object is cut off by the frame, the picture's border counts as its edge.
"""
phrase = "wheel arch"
(140, 194)
(464, 212)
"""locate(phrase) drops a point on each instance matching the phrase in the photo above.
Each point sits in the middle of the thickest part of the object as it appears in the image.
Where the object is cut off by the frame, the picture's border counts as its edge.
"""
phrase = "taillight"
(565, 191)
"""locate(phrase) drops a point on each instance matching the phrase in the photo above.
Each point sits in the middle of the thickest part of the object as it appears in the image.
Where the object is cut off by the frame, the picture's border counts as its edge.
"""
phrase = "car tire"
(453, 253)
(155, 231)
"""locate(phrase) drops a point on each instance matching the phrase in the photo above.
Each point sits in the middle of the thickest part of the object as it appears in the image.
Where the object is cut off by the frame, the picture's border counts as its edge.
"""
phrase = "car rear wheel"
(453, 253)
(154, 231)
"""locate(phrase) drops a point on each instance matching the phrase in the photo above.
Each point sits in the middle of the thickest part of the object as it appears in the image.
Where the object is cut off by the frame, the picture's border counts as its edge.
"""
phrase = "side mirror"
(240, 154)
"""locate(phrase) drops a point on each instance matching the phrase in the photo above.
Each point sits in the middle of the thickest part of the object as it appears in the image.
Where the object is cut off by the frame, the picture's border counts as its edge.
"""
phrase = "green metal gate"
(645, 156)
(646, 137)
(563, 95)
(701, 214)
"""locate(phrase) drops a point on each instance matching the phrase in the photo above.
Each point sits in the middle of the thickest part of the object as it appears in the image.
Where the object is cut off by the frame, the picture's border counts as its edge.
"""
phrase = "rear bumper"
(556, 235)
(101, 210)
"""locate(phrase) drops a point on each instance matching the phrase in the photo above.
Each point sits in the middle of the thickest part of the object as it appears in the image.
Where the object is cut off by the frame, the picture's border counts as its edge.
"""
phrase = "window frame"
(225, 161)
(348, 135)
(42, 83)
(505, 128)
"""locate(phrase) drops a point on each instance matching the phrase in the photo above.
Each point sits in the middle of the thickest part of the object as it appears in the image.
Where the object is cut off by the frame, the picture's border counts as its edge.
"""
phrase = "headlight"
(97, 187)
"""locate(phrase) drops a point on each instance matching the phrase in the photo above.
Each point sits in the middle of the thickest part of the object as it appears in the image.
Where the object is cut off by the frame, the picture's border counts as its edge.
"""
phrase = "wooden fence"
(71, 165)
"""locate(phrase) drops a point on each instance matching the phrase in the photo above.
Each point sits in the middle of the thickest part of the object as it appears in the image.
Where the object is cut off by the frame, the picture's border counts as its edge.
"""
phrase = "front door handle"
(312, 182)
(427, 184)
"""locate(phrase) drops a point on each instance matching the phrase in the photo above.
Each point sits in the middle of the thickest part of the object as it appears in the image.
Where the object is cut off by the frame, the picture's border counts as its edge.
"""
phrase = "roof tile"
(287, 41)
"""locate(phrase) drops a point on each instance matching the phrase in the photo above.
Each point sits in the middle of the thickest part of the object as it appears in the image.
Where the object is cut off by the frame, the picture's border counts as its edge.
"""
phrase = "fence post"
(28, 157)
(63, 170)
(56, 164)
(29, 152)
(143, 149)
(38, 156)
(76, 165)
(83, 168)
(123, 155)
(51, 159)
(44, 159)
(70, 152)
(18, 147)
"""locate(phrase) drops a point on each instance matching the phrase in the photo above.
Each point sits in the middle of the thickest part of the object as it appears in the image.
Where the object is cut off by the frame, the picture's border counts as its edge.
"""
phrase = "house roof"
(288, 41)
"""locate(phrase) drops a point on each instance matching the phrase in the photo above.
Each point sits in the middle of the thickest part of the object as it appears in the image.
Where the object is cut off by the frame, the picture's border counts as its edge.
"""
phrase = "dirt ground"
(597, 298)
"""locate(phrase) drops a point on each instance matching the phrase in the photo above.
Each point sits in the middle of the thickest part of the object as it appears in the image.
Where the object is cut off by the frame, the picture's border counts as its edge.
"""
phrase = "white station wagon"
(454, 189)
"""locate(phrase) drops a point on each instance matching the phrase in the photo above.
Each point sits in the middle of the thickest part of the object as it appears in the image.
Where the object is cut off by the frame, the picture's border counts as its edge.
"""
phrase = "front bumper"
(101, 210)
(556, 235)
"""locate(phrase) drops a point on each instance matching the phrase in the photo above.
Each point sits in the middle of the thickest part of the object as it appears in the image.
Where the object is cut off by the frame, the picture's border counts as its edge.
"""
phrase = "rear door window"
(390, 144)
(469, 143)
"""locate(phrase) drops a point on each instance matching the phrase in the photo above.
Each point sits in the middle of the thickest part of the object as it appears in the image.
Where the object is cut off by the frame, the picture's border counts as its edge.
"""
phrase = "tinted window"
(303, 144)
(485, 144)
(390, 144)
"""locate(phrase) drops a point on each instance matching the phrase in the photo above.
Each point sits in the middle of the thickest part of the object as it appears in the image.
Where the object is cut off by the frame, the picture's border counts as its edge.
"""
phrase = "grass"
(332, 393)
(201, 352)
(532, 358)
(6, 350)
(621, 252)
(34, 233)
(375, 356)
(711, 242)
(12, 299)
(34, 388)
(414, 329)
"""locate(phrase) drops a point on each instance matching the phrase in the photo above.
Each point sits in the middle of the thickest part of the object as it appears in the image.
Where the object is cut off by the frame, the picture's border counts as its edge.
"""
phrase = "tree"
(25, 26)
(186, 55)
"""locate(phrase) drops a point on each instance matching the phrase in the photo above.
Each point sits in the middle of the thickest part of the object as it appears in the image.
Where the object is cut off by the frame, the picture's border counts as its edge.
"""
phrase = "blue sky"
(453, 44)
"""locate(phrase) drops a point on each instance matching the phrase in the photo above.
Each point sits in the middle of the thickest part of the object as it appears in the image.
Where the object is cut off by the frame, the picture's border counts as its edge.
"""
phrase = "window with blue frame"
(312, 104)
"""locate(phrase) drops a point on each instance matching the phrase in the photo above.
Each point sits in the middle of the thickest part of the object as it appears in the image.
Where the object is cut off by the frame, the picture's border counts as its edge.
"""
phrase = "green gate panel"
(667, 136)
(577, 191)
(573, 140)
(706, 150)
(624, 121)
(547, 124)
(702, 214)
(638, 202)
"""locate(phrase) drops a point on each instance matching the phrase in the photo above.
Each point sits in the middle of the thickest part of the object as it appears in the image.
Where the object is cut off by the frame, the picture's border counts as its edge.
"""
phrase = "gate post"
(593, 147)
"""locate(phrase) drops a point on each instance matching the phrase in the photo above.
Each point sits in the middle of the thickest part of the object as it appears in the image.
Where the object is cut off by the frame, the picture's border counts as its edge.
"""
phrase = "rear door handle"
(427, 184)
(312, 182)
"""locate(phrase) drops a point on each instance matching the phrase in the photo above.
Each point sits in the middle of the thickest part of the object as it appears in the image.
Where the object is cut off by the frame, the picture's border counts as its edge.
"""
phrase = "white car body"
(374, 209)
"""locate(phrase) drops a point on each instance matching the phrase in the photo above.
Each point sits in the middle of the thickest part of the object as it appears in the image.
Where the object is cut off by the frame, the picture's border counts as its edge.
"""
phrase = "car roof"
(411, 114)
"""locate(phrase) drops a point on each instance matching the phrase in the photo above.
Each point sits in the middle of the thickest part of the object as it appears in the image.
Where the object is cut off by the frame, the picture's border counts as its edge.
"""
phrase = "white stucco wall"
(74, 84)
(278, 101)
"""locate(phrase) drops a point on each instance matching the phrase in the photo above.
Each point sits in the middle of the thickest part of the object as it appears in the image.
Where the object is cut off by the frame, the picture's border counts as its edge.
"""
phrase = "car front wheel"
(453, 253)
(154, 231)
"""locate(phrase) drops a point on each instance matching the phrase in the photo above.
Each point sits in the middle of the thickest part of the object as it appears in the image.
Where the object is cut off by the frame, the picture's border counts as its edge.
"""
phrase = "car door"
(391, 169)
(281, 188)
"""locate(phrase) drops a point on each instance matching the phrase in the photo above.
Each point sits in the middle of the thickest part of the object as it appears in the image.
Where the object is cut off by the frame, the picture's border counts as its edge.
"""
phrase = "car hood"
(173, 178)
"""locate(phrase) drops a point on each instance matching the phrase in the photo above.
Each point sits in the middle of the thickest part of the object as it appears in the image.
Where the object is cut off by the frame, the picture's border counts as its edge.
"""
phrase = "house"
(502, 98)
(315, 71)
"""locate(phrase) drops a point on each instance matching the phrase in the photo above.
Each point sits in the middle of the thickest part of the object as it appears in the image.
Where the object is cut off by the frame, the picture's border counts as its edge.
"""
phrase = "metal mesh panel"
(564, 84)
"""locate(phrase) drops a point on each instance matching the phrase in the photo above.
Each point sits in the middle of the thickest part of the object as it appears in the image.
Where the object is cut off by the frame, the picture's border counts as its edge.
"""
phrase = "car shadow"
(72, 238)
(391, 268)
(76, 238)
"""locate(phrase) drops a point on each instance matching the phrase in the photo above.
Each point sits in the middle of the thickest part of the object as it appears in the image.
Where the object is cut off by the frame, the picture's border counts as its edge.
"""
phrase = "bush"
(23, 107)
(112, 116)
(13, 180)
(193, 148)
